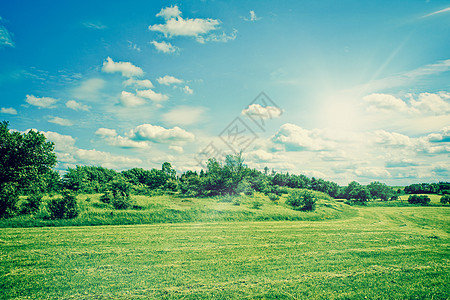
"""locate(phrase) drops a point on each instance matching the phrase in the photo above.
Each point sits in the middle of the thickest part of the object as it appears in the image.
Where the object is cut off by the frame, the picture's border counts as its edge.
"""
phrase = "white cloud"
(105, 132)
(438, 12)
(131, 100)
(433, 103)
(372, 172)
(177, 149)
(5, 37)
(169, 12)
(258, 111)
(188, 90)
(9, 111)
(72, 104)
(63, 143)
(392, 138)
(126, 68)
(61, 121)
(384, 103)
(46, 102)
(160, 134)
(113, 139)
(177, 26)
(253, 16)
(184, 115)
(164, 47)
(152, 95)
(297, 138)
(168, 80)
(105, 159)
(221, 38)
(133, 46)
(138, 83)
(88, 89)
(259, 155)
(94, 25)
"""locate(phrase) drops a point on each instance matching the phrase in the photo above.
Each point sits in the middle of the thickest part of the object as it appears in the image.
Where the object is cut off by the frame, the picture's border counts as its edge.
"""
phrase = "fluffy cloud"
(113, 139)
(138, 83)
(184, 115)
(105, 159)
(61, 121)
(105, 132)
(169, 12)
(126, 68)
(297, 138)
(168, 80)
(63, 143)
(152, 95)
(392, 139)
(46, 102)
(188, 90)
(433, 103)
(72, 104)
(9, 111)
(158, 134)
(372, 172)
(384, 103)
(164, 47)
(131, 100)
(177, 26)
(438, 104)
(258, 111)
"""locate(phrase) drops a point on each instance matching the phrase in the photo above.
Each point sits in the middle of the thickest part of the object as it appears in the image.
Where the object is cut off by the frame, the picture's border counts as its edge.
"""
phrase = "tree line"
(27, 161)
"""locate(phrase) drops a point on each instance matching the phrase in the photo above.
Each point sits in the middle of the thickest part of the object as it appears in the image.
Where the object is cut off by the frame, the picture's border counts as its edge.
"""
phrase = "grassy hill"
(175, 209)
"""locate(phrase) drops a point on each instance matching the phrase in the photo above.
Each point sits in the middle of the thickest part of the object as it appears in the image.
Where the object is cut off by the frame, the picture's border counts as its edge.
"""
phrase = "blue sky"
(352, 90)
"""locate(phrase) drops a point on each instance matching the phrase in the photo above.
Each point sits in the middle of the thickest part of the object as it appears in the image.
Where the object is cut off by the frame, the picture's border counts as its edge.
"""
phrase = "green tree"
(380, 190)
(25, 161)
(302, 200)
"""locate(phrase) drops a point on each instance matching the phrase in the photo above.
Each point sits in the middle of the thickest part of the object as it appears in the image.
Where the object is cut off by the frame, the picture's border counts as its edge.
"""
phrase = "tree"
(419, 199)
(302, 200)
(380, 190)
(356, 192)
(25, 161)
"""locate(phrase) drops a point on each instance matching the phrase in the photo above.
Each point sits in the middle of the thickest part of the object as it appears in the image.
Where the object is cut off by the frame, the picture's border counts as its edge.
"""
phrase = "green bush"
(32, 204)
(445, 199)
(302, 200)
(118, 194)
(256, 205)
(417, 199)
(9, 197)
(273, 197)
(65, 207)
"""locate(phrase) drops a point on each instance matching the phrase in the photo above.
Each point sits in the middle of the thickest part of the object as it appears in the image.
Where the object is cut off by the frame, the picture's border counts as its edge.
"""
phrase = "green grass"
(380, 253)
(175, 209)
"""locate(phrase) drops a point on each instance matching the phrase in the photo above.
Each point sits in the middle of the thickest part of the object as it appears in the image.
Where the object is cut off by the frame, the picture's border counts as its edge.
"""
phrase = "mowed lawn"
(383, 253)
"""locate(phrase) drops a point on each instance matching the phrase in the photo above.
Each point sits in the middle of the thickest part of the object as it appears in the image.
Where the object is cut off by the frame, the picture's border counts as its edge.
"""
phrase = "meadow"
(371, 253)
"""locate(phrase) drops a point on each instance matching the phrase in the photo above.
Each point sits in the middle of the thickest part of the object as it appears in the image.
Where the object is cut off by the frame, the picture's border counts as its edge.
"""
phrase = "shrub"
(273, 197)
(445, 199)
(302, 200)
(32, 204)
(8, 199)
(416, 199)
(256, 205)
(118, 194)
(65, 207)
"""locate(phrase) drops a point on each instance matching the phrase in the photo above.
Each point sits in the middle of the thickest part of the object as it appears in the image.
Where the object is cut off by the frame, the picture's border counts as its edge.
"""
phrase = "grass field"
(380, 253)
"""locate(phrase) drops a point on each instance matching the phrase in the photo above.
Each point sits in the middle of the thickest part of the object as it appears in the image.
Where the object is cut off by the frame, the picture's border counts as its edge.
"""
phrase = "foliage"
(428, 188)
(256, 204)
(25, 159)
(419, 199)
(380, 190)
(302, 200)
(445, 199)
(118, 193)
(64, 207)
(88, 179)
(356, 193)
(32, 204)
(273, 197)
(9, 197)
